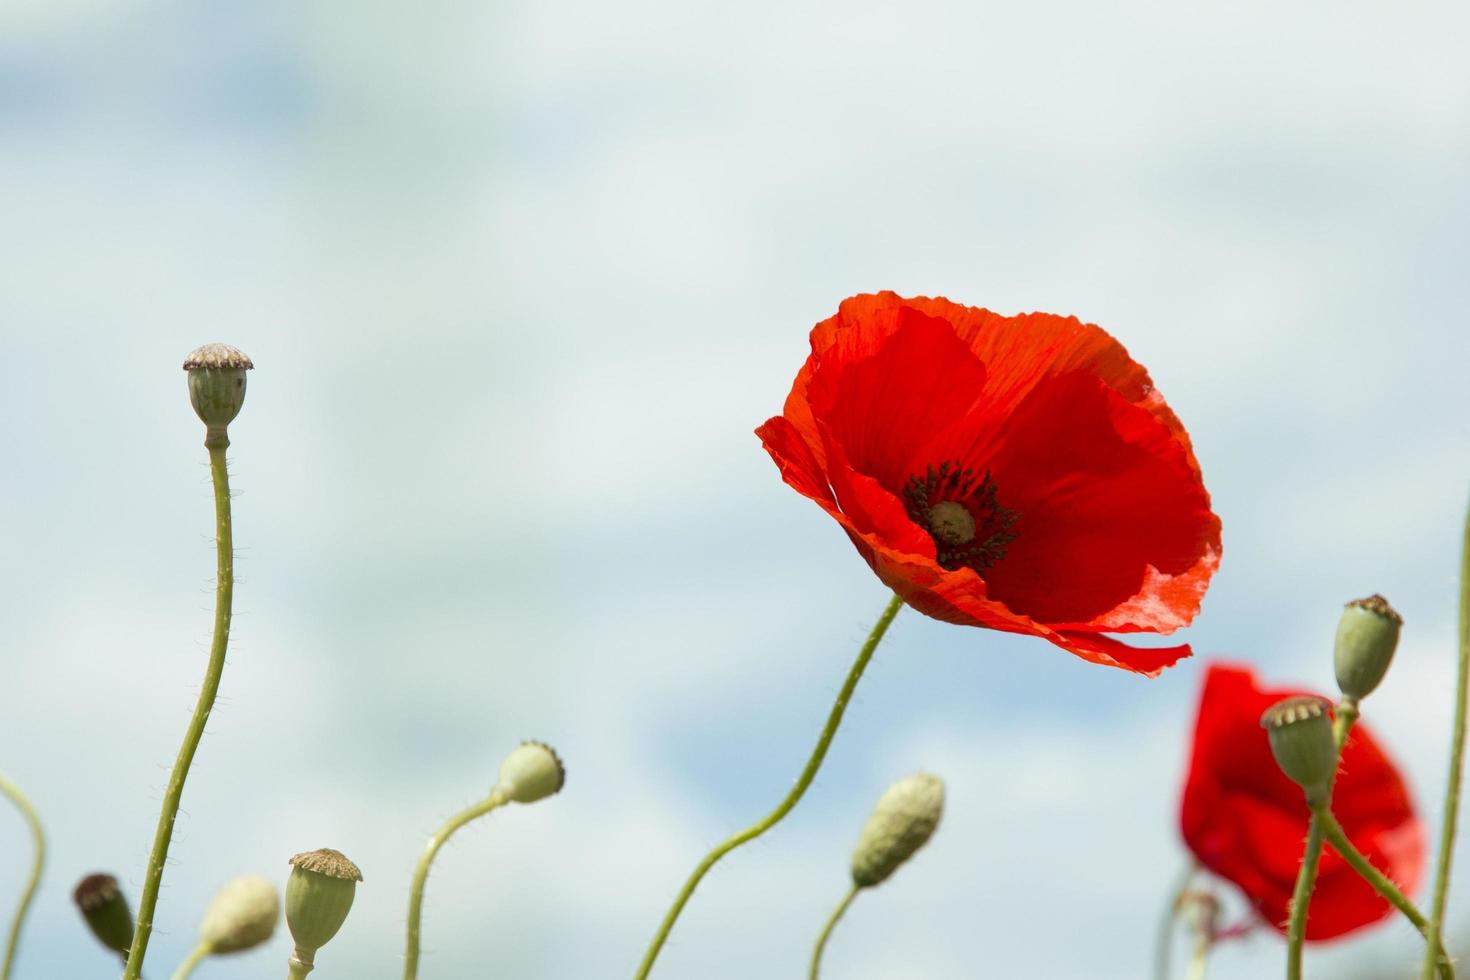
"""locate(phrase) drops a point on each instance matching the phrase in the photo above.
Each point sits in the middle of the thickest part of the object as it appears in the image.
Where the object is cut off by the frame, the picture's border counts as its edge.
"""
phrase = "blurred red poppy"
(1247, 822)
(1019, 473)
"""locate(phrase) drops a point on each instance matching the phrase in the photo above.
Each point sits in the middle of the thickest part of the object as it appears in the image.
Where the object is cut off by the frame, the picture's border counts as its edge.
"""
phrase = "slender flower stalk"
(38, 861)
(1200, 959)
(421, 874)
(531, 772)
(1338, 838)
(837, 914)
(217, 390)
(1164, 945)
(1345, 716)
(186, 968)
(819, 753)
(1457, 758)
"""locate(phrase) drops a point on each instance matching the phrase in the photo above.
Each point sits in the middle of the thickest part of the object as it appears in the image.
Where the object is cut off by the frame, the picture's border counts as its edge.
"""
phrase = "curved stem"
(834, 719)
(1457, 757)
(216, 442)
(1338, 838)
(1164, 946)
(37, 863)
(827, 930)
(421, 875)
(193, 960)
(1345, 716)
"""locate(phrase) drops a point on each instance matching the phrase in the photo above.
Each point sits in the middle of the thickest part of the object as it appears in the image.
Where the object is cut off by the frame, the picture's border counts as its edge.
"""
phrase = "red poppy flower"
(1019, 473)
(1247, 822)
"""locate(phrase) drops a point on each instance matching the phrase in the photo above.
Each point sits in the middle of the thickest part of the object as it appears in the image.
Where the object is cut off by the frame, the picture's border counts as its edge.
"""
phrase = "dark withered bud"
(106, 911)
(1367, 635)
(1300, 729)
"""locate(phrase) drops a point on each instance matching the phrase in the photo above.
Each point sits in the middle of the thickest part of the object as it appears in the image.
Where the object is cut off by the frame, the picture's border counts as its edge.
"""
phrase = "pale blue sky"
(519, 280)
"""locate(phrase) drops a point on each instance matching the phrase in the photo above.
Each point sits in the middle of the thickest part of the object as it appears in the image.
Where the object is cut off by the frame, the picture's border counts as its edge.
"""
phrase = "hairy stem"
(421, 875)
(1345, 716)
(1338, 838)
(1457, 757)
(827, 930)
(38, 861)
(1301, 897)
(216, 442)
(819, 753)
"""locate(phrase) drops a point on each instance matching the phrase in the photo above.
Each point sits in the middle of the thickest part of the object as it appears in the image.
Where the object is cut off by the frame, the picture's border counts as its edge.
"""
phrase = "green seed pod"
(1300, 731)
(243, 914)
(318, 897)
(531, 772)
(902, 822)
(217, 383)
(1367, 635)
(106, 911)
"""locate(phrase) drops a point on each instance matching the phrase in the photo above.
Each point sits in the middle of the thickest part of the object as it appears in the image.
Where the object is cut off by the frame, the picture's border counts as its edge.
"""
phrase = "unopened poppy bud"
(243, 914)
(106, 911)
(1367, 635)
(901, 823)
(217, 383)
(1300, 731)
(531, 772)
(318, 897)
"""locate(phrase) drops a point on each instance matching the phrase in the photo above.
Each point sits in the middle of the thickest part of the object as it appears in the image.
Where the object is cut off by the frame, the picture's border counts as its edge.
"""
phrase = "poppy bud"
(243, 914)
(1301, 740)
(106, 911)
(1367, 635)
(531, 772)
(217, 383)
(318, 897)
(901, 823)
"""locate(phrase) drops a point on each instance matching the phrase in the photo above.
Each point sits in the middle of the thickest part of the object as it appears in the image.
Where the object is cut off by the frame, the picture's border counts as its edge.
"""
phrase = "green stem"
(1164, 947)
(1380, 882)
(834, 718)
(300, 964)
(1301, 897)
(216, 442)
(421, 875)
(1306, 880)
(827, 930)
(1200, 959)
(1457, 756)
(37, 863)
(193, 960)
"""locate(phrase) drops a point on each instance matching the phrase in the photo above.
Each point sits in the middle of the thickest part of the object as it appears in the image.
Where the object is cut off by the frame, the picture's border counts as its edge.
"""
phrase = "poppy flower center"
(969, 526)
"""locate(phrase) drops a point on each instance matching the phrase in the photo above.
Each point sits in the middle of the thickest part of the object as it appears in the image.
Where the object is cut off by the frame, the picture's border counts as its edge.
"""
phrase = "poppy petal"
(1108, 503)
(1114, 531)
(1247, 822)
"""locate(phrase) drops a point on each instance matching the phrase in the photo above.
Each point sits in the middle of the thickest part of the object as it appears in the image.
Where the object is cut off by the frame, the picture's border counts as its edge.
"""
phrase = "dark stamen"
(952, 482)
